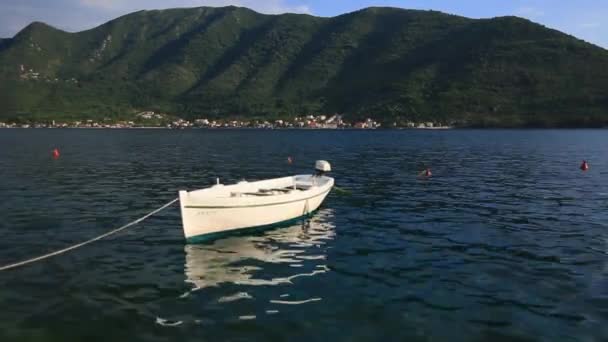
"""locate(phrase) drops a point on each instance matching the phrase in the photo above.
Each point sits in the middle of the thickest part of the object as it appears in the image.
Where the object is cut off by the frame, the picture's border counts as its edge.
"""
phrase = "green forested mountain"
(385, 63)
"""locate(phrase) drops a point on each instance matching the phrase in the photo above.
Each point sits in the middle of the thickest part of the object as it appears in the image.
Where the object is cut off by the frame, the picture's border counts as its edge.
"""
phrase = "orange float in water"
(56, 153)
(584, 166)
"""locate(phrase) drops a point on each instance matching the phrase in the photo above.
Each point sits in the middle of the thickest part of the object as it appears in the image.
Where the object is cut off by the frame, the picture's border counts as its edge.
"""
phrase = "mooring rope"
(81, 244)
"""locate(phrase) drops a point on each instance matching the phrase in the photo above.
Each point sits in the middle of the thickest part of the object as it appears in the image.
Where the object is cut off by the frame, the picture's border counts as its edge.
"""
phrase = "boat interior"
(272, 187)
(271, 191)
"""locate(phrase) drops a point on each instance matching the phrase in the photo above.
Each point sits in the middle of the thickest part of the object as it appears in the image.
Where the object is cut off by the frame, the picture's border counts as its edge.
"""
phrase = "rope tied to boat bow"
(84, 243)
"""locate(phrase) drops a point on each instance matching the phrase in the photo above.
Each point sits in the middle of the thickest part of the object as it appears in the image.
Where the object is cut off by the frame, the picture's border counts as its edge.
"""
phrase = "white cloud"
(590, 25)
(263, 6)
(276, 7)
(529, 12)
(103, 4)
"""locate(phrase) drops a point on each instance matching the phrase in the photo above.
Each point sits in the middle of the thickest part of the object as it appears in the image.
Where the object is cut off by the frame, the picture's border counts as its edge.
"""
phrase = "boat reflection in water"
(298, 251)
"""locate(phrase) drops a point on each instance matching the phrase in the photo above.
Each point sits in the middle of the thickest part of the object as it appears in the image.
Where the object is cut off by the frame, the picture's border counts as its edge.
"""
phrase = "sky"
(585, 19)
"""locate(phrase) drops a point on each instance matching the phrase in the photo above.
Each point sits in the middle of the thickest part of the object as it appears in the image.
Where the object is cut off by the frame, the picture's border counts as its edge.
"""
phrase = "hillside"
(385, 63)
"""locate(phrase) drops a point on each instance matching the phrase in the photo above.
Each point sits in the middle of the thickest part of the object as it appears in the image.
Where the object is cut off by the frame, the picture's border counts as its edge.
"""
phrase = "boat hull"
(207, 221)
(210, 237)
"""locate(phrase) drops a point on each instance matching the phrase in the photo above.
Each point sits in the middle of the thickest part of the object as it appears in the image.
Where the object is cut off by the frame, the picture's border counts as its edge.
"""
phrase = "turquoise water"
(507, 241)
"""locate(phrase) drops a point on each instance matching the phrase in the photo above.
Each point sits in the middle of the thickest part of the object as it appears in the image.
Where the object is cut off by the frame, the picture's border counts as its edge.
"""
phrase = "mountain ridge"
(390, 64)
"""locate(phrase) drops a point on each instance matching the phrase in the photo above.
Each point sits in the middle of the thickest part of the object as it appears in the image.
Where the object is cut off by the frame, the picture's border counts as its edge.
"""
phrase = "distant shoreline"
(309, 129)
(244, 128)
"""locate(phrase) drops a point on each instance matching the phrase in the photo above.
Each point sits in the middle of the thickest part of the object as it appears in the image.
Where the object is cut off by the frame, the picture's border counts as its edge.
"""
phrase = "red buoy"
(56, 153)
(584, 166)
(428, 173)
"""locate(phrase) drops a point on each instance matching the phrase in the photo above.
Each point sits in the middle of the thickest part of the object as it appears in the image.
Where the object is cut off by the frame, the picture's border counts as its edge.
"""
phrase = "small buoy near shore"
(584, 166)
(289, 160)
(426, 173)
(55, 153)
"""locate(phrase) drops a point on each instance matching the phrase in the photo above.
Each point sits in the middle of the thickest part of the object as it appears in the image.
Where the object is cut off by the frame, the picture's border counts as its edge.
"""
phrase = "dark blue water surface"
(507, 241)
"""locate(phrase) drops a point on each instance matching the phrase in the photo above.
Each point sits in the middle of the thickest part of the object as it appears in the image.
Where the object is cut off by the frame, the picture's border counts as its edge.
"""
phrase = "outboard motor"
(321, 167)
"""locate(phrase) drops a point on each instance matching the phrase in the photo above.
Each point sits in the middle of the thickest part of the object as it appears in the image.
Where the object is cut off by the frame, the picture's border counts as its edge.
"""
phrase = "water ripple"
(507, 240)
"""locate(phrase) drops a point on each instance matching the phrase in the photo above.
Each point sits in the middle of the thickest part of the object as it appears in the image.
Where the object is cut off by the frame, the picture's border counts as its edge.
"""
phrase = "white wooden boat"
(213, 212)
